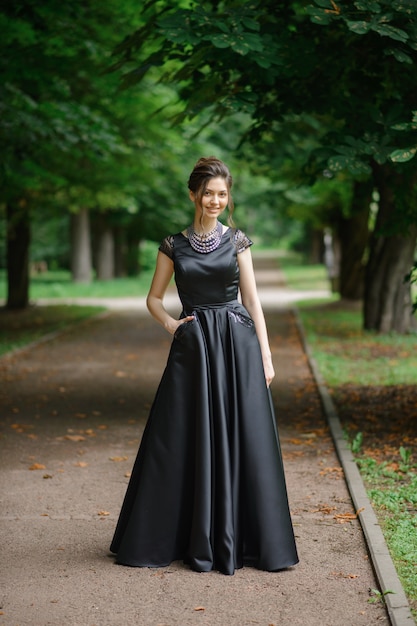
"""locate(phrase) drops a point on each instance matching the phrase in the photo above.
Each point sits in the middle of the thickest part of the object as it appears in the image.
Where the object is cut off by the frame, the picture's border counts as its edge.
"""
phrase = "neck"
(205, 225)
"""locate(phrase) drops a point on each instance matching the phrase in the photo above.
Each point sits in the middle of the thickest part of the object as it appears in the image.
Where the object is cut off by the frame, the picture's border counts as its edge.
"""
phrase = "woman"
(208, 484)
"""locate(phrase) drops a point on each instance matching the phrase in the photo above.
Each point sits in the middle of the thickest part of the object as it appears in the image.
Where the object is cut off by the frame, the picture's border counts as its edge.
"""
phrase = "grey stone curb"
(395, 599)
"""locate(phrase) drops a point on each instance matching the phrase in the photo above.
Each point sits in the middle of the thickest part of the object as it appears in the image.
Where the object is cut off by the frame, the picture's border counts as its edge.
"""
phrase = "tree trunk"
(353, 234)
(81, 247)
(316, 247)
(18, 243)
(119, 251)
(132, 255)
(105, 250)
(387, 304)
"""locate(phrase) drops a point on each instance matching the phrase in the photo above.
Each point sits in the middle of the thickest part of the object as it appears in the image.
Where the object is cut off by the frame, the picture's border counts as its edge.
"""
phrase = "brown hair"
(204, 170)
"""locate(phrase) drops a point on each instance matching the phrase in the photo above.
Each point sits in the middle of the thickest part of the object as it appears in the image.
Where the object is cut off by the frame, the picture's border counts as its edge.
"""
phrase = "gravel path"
(72, 414)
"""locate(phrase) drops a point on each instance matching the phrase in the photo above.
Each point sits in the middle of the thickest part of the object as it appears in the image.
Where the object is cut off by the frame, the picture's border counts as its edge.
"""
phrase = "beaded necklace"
(206, 242)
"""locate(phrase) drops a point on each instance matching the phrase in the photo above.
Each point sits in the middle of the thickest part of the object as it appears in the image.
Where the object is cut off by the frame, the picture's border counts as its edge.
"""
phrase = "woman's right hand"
(173, 325)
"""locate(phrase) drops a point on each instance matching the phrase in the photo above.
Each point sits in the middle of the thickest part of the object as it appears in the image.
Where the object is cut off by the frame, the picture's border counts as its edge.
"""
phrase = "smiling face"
(213, 199)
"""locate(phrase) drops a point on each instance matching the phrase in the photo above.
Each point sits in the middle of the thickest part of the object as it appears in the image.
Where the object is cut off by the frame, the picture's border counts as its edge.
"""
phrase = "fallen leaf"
(120, 374)
(200, 608)
(343, 575)
(47, 476)
(347, 517)
(117, 459)
(103, 513)
(324, 508)
(81, 416)
(128, 474)
(102, 427)
(74, 437)
(96, 413)
(81, 464)
(37, 466)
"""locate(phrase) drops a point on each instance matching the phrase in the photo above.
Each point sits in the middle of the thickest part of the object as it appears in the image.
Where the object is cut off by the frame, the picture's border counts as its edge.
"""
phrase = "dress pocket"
(182, 329)
(240, 318)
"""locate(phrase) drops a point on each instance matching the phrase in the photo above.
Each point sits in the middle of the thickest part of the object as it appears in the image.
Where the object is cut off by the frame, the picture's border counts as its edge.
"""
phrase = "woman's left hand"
(269, 370)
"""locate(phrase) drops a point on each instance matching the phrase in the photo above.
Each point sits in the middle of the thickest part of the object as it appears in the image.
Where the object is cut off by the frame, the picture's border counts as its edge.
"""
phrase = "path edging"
(396, 602)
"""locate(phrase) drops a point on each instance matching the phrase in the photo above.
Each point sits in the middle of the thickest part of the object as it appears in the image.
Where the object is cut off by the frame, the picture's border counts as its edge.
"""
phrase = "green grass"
(303, 277)
(346, 354)
(58, 284)
(393, 491)
(18, 328)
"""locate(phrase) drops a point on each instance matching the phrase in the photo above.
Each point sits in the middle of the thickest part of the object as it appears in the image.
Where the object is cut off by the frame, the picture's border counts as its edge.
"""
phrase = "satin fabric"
(208, 484)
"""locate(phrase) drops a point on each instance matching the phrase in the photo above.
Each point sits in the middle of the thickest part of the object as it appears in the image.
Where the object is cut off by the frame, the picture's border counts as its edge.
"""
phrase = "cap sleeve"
(241, 241)
(167, 246)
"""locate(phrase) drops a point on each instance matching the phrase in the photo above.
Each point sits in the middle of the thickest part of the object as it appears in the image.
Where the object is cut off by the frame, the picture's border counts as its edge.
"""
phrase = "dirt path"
(74, 408)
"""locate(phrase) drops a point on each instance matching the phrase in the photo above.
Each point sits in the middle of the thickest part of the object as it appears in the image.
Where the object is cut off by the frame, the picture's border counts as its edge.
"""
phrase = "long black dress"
(208, 483)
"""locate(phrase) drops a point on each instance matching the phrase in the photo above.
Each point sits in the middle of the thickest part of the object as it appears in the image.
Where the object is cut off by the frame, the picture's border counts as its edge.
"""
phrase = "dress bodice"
(204, 279)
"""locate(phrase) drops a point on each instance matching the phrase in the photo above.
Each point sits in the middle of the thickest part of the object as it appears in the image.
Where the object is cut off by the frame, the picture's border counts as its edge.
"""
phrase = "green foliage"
(357, 442)
(394, 495)
(334, 332)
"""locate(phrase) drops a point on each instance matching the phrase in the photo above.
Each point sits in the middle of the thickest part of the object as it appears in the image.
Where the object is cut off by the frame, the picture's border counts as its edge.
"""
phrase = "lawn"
(58, 284)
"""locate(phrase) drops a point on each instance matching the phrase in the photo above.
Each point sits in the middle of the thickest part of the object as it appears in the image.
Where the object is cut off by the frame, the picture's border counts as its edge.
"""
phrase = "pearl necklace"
(206, 242)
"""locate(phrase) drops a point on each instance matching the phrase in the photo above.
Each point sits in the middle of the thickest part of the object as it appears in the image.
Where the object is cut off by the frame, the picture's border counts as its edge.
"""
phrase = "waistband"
(213, 305)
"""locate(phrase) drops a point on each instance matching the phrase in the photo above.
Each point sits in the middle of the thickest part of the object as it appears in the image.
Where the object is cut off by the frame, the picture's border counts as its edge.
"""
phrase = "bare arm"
(161, 279)
(250, 301)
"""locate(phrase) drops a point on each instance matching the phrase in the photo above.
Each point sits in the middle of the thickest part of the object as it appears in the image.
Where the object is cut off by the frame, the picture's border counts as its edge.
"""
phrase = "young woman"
(208, 484)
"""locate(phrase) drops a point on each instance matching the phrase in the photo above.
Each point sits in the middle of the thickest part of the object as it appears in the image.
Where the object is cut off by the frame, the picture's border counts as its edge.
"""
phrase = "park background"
(104, 111)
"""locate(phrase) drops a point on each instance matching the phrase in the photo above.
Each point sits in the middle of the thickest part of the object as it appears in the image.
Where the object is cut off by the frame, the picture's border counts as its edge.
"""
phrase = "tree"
(351, 62)
(53, 110)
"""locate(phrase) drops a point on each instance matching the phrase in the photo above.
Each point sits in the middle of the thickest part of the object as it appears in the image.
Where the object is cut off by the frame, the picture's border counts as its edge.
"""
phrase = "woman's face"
(214, 199)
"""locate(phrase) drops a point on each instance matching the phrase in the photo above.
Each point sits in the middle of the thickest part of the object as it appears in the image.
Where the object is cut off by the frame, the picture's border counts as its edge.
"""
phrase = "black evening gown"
(208, 484)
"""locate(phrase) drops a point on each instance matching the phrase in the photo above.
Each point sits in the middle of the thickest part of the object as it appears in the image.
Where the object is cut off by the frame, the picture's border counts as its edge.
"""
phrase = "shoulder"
(167, 246)
(240, 240)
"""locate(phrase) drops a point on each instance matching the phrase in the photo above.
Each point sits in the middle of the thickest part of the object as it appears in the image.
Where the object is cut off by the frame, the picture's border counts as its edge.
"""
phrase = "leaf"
(74, 437)
(353, 165)
(319, 16)
(117, 459)
(403, 155)
(103, 513)
(37, 466)
(359, 28)
(220, 41)
(385, 30)
(81, 464)
(199, 608)
(347, 517)
(401, 56)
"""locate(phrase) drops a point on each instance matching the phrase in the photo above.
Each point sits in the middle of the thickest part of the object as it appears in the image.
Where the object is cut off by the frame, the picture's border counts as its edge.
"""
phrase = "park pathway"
(72, 414)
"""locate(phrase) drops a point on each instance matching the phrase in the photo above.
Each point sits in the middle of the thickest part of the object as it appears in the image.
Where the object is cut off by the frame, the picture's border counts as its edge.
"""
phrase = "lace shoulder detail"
(167, 246)
(241, 241)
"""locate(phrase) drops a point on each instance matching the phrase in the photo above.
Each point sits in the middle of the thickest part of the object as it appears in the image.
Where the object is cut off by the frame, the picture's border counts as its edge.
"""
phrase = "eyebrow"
(221, 190)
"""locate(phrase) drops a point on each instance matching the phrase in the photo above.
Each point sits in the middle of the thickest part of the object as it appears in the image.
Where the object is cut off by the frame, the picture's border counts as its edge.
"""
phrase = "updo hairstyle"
(204, 170)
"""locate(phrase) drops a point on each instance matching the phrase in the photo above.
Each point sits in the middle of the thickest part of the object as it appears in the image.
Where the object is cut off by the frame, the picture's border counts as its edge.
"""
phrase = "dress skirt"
(208, 484)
